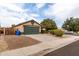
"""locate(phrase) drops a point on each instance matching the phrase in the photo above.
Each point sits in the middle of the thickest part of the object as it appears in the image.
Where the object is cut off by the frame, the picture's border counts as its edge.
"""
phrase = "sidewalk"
(42, 48)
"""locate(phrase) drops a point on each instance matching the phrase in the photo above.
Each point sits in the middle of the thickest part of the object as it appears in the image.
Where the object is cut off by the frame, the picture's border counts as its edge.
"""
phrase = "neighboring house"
(1, 30)
(29, 27)
(7, 31)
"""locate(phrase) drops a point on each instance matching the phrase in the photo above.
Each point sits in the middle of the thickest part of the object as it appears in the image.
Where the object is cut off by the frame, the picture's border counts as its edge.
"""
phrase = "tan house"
(7, 31)
(29, 27)
(1, 30)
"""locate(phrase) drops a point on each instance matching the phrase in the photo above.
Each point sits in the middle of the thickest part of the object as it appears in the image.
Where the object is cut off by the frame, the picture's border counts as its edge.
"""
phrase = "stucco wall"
(21, 27)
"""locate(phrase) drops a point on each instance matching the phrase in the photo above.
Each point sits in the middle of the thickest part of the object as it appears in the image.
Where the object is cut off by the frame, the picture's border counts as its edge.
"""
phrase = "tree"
(71, 24)
(66, 24)
(48, 24)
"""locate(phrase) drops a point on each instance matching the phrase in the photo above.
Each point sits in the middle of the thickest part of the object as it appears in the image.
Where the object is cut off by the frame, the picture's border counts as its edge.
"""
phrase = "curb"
(46, 51)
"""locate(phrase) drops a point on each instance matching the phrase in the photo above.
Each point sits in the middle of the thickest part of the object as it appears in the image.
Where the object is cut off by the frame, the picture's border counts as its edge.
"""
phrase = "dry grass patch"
(9, 42)
(15, 42)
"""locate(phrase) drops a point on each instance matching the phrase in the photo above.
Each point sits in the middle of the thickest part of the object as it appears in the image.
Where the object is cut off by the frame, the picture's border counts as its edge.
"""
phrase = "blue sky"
(16, 13)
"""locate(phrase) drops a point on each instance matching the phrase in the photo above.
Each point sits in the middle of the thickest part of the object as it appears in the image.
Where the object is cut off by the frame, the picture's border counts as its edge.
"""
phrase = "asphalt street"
(69, 50)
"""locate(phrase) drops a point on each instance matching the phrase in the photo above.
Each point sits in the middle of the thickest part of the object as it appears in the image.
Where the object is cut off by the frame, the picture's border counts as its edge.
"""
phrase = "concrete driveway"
(48, 43)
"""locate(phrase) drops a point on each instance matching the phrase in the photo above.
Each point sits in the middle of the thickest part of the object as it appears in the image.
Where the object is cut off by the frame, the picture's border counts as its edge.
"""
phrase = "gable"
(31, 22)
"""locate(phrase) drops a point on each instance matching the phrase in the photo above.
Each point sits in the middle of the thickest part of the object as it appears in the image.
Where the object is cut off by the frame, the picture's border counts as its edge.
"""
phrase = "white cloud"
(39, 1)
(12, 7)
(13, 14)
(10, 14)
(40, 5)
(34, 15)
(63, 10)
(9, 21)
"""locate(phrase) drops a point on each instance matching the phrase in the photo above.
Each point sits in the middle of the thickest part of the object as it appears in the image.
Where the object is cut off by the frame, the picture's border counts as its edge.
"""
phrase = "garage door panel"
(31, 30)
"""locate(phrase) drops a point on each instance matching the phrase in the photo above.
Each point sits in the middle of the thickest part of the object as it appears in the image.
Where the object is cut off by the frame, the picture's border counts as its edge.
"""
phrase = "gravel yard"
(10, 42)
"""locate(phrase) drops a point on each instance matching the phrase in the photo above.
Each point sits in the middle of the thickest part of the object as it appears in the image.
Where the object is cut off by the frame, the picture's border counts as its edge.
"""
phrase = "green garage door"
(31, 30)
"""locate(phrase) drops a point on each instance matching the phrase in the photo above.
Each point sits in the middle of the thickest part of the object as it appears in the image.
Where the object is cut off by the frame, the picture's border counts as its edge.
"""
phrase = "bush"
(43, 31)
(58, 32)
(51, 32)
(77, 33)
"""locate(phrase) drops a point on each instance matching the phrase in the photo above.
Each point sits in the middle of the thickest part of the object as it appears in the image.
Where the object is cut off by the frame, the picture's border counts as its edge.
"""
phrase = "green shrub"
(43, 31)
(58, 32)
(77, 33)
(52, 32)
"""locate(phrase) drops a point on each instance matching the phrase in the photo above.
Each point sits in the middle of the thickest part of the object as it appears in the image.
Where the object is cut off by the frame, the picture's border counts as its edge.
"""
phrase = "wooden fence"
(8, 31)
